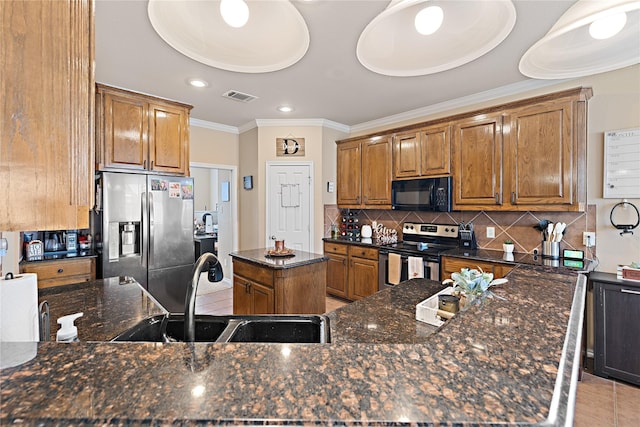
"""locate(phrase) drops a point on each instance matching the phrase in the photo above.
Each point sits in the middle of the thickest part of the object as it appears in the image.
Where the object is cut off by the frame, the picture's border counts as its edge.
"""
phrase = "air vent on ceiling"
(239, 96)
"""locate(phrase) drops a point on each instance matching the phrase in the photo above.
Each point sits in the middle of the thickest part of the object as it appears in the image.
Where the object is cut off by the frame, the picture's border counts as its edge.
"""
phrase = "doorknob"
(273, 237)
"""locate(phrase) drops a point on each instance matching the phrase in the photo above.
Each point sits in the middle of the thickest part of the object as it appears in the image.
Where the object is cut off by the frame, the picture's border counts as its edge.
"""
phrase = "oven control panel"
(430, 230)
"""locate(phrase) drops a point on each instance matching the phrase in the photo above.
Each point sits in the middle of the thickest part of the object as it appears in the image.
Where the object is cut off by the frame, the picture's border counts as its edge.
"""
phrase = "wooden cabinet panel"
(376, 172)
(352, 270)
(262, 301)
(125, 131)
(406, 155)
(168, 125)
(364, 173)
(46, 148)
(363, 277)
(141, 132)
(453, 265)
(540, 156)
(337, 275)
(349, 182)
(61, 272)
(617, 327)
(477, 162)
(435, 150)
(426, 152)
(241, 295)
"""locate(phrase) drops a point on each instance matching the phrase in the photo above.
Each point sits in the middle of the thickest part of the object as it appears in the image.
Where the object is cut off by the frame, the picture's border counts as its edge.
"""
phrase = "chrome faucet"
(190, 300)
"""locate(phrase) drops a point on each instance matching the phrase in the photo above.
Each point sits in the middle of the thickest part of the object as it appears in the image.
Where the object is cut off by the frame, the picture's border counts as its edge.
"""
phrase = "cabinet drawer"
(453, 265)
(61, 272)
(363, 252)
(253, 272)
(336, 248)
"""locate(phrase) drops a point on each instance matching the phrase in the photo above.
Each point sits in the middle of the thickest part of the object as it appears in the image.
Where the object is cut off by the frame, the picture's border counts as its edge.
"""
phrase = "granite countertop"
(299, 258)
(506, 361)
(110, 306)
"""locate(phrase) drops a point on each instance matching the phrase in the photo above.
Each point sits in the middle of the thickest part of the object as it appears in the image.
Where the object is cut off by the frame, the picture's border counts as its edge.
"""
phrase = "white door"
(289, 204)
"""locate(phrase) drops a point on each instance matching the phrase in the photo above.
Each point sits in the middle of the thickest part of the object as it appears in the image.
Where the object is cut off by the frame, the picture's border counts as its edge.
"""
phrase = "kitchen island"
(275, 284)
(506, 361)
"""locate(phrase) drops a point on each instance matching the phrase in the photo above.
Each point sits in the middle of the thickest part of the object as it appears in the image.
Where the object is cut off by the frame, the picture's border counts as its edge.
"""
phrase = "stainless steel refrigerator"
(143, 227)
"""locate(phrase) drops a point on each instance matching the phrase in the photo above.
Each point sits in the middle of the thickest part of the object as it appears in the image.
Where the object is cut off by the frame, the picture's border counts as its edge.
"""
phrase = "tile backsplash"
(517, 226)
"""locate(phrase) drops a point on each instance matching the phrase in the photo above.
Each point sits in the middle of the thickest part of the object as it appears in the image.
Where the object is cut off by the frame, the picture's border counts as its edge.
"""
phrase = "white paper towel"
(19, 308)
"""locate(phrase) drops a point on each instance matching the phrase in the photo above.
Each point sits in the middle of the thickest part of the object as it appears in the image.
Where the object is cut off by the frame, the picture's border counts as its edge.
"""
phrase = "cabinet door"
(168, 133)
(337, 275)
(406, 155)
(617, 328)
(477, 162)
(435, 151)
(241, 295)
(376, 172)
(349, 157)
(363, 278)
(125, 131)
(540, 156)
(46, 143)
(262, 299)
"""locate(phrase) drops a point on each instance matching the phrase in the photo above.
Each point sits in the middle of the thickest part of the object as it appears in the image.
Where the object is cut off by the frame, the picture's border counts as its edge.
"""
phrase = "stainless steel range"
(426, 241)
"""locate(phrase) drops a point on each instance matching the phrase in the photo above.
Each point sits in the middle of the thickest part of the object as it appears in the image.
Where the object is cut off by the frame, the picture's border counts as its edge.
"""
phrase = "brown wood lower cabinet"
(450, 265)
(352, 270)
(61, 271)
(261, 289)
(617, 327)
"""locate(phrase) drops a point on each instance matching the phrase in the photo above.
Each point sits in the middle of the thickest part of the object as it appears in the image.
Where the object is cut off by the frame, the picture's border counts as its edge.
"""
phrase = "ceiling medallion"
(394, 43)
(274, 37)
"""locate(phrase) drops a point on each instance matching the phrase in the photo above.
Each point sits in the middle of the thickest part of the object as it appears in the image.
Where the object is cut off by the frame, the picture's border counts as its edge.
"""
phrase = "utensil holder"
(551, 249)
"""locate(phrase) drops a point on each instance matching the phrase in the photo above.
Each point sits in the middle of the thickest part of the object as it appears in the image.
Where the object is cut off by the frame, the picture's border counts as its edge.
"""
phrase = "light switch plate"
(330, 187)
(491, 232)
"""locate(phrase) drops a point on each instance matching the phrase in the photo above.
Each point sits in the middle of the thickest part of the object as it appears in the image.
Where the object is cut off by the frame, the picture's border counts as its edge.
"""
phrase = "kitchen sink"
(258, 328)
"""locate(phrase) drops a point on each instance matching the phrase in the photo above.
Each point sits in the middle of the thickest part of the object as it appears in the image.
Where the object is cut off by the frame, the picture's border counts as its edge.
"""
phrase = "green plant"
(508, 242)
(473, 283)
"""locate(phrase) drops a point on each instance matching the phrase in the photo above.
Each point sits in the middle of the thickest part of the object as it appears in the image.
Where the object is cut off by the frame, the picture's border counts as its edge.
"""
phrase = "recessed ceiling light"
(285, 109)
(234, 12)
(197, 83)
(429, 20)
(607, 27)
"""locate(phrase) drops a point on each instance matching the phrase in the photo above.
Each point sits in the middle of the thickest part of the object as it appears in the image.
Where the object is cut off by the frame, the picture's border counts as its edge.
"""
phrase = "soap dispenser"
(68, 332)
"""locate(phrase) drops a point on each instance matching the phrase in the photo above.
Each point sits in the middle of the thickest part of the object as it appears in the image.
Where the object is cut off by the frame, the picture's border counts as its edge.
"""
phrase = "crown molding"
(213, 126)
(489, 95)
(294, 122)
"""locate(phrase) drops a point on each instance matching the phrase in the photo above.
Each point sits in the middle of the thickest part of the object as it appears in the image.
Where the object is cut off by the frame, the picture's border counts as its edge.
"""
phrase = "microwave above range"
(425, 194)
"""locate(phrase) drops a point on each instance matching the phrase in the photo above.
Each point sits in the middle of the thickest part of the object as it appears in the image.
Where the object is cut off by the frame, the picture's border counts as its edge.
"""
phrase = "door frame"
(233, 196)
(267, 217)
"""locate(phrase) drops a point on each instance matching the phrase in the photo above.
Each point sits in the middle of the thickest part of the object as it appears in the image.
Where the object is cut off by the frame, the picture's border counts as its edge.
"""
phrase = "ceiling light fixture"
(568, 50)
(608, 26)
(198, 83)
(285, 109)
(392, 44)
(429, 20)
(234, 12)
(275, 37)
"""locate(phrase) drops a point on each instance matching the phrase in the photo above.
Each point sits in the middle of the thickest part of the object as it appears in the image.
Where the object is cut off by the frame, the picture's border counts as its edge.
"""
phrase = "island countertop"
(509, 361)
(260, 257)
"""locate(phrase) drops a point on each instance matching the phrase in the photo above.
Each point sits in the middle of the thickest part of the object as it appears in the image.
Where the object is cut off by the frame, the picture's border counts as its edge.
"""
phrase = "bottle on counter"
(68, 332)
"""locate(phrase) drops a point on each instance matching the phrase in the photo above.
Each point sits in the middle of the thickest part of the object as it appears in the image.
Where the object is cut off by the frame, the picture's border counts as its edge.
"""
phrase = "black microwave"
(424, 194)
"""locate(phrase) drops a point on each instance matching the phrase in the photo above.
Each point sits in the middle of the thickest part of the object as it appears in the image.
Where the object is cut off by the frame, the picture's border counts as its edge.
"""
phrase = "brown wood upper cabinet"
(141, 133)
(531, 156)
(47, 80)
(364, 172)
(425, 152)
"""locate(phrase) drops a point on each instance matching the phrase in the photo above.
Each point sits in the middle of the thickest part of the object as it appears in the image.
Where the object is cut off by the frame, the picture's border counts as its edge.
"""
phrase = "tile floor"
(600, 402)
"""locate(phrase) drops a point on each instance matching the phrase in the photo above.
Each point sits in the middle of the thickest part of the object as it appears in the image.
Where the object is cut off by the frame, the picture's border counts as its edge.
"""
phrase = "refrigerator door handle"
(151, 220)
(143, 248)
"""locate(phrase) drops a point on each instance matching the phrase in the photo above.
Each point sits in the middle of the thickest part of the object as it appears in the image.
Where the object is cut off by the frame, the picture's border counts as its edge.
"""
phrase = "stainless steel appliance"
(425, 194)
(427, 241)
(143, 225)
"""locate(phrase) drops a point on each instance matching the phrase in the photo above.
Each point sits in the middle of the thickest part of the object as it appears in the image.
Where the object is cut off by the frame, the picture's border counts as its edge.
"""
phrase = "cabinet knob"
(498, 201)
(60, 270)
(144, 164)
(247, 287)
(151, 164)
